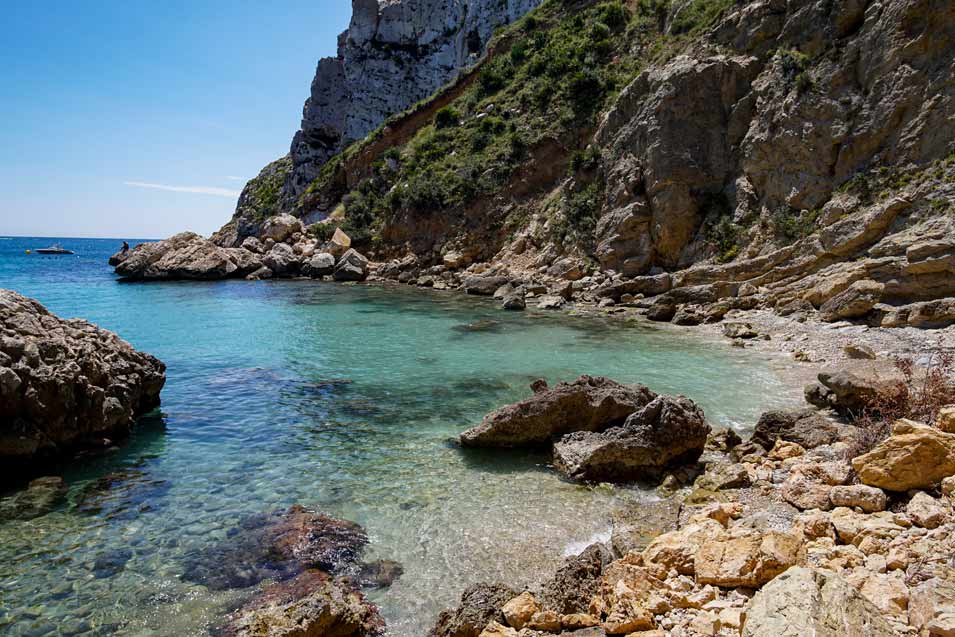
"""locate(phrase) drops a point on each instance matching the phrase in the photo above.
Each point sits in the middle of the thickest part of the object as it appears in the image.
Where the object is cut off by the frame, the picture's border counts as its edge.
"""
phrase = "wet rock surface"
(65, 385)
(278, 546)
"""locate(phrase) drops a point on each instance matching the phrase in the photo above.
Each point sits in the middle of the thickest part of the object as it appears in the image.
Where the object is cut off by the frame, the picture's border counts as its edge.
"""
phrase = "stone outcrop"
(480, 605)
(816, 602)
(65, 385)
(186, 256)
(667, 431)
(586, 404)
(310, 604)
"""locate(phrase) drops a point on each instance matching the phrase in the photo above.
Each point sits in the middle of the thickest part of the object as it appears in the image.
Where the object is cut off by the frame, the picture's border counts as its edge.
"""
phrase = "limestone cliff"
(393, 54)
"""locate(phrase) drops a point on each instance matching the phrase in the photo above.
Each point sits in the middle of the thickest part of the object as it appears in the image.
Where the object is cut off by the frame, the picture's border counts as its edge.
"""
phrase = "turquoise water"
(338, 397)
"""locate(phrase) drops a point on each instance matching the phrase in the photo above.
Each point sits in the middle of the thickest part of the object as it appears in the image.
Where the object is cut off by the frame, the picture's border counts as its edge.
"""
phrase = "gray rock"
(514, 300)
(182, 256)
(854, 302)
(322, 264)
(484, 285)
(587, 404)
(480, 605)
(667, 431)
(805, 427)
(353, 266)
(282, 260)
(574, 584)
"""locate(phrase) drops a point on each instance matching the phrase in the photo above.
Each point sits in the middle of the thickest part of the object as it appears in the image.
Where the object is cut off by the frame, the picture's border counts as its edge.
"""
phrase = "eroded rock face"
(393, 54)
(587, 404)
(480, 605)
(65, 384)
(668, 430)
(810, 601)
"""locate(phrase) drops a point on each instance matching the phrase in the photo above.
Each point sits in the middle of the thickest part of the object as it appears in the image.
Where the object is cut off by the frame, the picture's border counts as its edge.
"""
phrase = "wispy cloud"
(198, 190)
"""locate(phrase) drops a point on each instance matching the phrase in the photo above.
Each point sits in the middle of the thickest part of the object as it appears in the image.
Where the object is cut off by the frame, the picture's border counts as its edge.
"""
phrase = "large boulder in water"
(667, 431)
(65, 385)
(312, 603)
(186, 256)
(353, 266)
(277, 546)
(590, 403)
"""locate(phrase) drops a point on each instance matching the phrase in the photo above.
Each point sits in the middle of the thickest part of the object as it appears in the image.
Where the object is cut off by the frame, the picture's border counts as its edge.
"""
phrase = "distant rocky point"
(65, 385)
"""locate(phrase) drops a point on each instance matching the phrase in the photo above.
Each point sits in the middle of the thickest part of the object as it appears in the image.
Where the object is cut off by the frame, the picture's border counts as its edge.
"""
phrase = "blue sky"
(142, 119)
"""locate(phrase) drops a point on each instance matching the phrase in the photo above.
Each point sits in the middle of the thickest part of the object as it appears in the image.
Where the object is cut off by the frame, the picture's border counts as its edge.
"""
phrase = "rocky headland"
(65, 386)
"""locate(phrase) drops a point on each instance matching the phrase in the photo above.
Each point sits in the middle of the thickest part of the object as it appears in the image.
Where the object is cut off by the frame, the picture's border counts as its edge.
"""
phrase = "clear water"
(250, 423)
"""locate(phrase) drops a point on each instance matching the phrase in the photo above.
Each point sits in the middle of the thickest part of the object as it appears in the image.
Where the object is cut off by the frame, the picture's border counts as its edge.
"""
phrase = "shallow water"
(342, 398)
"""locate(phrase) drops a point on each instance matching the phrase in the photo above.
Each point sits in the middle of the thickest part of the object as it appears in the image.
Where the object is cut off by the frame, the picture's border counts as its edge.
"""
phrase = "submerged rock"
(311, 604)
(587, 404)
(39, 498)
(667, 431)
(278, 546)
(65, 385)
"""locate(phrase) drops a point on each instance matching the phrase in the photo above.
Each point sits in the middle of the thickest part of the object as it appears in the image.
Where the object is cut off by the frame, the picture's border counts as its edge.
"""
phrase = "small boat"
(54, 249)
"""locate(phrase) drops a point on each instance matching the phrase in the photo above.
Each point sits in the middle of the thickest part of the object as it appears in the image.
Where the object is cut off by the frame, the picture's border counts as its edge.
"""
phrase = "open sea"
(342, 398)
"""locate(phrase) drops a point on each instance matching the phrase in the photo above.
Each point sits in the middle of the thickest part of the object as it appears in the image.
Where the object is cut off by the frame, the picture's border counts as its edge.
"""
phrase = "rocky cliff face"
(393, 54)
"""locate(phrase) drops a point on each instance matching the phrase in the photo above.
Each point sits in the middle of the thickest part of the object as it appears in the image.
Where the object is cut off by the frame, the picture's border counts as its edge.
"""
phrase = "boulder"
(118, 257)
(925, 511)
(352, 266)
(280, 227)
(65, 385)
(805, 601)
(867, 498)
(339, 244)
(322, 264)
(843, 391)
(661, 312)
(310, 604)
(723, 475)
(807, 428)
(575, 582)
(586, 404)
(945, 421)
(750, 560)
(519, 610)
(667, 431)
(854, 302)
(252, 244)
(739, 330)
(182, 256)
(282, 260)
(480, 605)
(514, 300)
(915, 456)
(483, 285)
(550, 302)
(677, 550)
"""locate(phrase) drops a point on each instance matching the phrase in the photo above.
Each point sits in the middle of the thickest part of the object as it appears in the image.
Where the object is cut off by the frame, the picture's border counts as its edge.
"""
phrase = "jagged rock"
(858, 300)
(310, 604)
(739, 330)
(575, 582)
(806, 427)
(260, 274)
(667, 431)
(252, 244)
(915, 456)
(353, 266)
(118, 257)
(182, 256)
(339, 244)
(677, 550)
(662, 312)
(484, 285)
(322, 264)
(480, 605)
(687, 315)
(859, 352)
(725, 475)
(587, 404)
(810, 601)
(65, 385)
(550, 302)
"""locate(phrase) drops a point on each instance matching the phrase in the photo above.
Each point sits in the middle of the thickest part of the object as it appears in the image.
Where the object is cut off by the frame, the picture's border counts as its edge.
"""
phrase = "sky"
(142, 119)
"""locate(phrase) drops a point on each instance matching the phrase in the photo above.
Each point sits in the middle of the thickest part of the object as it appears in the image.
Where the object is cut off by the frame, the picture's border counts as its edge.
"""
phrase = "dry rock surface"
(65, 385)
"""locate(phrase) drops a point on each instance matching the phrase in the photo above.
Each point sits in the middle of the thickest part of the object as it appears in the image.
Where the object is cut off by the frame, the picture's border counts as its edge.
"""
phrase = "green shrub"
(447, 117)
